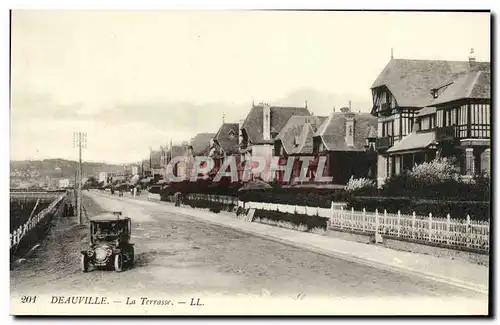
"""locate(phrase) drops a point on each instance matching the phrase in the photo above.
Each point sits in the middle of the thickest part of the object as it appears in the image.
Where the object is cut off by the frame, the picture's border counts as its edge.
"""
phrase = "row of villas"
(421, 109)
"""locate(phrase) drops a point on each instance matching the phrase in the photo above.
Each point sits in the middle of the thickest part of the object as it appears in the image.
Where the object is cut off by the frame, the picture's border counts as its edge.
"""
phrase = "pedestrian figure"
(65, 211)
(70, 211)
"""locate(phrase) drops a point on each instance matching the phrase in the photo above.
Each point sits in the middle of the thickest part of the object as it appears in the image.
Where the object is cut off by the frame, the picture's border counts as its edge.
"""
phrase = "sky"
(138, 79)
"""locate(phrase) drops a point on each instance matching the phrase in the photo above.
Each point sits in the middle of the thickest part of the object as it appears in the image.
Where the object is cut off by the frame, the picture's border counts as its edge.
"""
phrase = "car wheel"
(84, 263)
(118, 262)
(132, 255)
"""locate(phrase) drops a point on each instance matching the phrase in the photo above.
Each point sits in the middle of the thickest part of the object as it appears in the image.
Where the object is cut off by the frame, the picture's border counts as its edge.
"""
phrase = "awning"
(414, 142)
(427, 111)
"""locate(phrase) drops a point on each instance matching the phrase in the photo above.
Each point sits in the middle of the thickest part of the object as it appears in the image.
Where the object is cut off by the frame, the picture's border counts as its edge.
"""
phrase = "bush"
(477, 210)
(361, 186)
(436, 171)
(437, 179)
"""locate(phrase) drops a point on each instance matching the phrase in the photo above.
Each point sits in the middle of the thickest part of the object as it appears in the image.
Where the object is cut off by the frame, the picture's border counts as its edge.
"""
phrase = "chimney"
(472, 58)
(349, 129)
(349, 105)
(240, 132)
(266, 122)
(313, 122)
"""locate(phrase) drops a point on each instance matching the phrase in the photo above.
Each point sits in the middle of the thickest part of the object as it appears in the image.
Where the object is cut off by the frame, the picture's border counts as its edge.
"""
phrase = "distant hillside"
(58, 168)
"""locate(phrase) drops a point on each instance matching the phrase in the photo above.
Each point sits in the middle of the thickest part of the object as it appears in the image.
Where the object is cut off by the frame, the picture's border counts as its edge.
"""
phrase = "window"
(388, 128)
(425, 123)
(480, 114)
(440, 118)
(432, 122)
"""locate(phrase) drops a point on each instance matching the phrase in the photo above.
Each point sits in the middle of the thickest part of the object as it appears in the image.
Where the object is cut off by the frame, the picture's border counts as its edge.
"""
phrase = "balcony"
(384, 143)
(446, 134)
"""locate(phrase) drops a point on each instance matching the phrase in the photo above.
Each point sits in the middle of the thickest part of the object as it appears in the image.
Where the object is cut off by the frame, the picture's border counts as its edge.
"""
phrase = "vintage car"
(109, 242)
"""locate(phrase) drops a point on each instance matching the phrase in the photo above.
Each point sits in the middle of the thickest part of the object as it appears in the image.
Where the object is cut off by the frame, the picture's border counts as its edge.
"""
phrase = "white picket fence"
(453, 232)
(17, 235)
(463, 233)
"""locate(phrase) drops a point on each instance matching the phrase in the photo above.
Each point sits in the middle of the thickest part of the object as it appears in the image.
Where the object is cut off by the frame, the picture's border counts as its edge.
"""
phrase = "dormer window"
(231, 135)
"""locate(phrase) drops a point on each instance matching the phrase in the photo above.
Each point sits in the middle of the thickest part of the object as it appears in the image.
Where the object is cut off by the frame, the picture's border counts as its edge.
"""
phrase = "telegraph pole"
(79, 140)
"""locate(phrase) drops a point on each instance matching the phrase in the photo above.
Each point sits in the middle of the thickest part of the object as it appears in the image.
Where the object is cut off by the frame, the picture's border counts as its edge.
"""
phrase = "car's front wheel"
(84, 263)
(118, 262)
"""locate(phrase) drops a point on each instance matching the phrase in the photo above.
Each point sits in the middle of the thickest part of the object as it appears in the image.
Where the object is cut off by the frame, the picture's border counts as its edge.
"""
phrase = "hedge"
(311, 222)
(201, 186)
(477, 210)
(405, 185)
(315, 197)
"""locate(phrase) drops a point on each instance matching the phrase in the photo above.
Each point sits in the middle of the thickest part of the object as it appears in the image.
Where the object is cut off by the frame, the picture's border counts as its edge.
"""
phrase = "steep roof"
(227, 137)
(475, 84)
(253, 124)
(178, 150)
(410, 81)
(333, 131)
(302, 129)
(201, 142)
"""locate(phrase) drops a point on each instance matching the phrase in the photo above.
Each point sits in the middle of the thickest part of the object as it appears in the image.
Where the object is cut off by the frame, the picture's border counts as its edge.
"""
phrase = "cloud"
(29, 105)
(123, 132)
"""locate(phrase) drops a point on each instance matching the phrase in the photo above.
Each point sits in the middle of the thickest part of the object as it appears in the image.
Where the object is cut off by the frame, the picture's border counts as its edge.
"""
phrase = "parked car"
(109, 242)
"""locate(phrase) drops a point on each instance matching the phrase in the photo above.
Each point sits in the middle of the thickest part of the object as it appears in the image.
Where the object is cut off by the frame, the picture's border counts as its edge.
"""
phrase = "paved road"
(177, 254)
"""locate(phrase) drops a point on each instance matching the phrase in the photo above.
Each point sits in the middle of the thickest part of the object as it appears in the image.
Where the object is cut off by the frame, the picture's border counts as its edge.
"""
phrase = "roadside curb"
(349, 257)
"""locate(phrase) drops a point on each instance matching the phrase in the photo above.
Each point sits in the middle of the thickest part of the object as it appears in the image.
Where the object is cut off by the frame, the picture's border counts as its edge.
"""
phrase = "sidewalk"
(454, 272)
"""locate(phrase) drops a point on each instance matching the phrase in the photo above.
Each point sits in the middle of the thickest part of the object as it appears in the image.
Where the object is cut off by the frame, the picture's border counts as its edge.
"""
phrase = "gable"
(410, 81)
(253, 125)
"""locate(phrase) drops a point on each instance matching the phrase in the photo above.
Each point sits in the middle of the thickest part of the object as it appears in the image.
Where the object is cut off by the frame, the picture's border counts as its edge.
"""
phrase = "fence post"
(341, 216)
(384, 224)
(351, 223)
(430, 226)
(399, 223)
(364, 219)
(413, 217)
(467, 237)
(331, 209)
(376, 222)
(317, 212)
(295, 209)
(448, 222)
